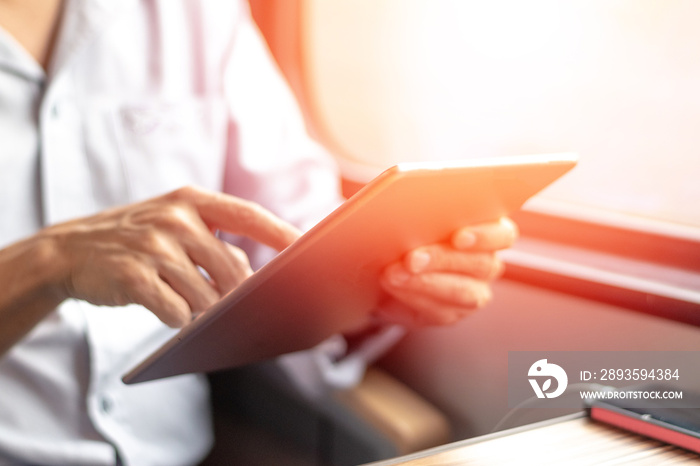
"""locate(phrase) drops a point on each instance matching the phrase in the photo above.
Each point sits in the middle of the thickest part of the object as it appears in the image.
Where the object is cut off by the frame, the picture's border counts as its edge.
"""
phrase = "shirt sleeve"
(270, 157)
(331, 365)
(272, 160)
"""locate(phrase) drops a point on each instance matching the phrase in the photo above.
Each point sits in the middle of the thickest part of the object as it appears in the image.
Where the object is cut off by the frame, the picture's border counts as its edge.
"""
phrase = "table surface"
(570, 440)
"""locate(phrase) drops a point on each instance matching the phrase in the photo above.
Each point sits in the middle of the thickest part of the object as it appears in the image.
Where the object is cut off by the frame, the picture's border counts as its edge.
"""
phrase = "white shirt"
(142, 97)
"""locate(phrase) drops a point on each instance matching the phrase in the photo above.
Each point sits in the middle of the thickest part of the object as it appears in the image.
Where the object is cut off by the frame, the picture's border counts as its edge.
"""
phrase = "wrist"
(30, 271)
(47, 265)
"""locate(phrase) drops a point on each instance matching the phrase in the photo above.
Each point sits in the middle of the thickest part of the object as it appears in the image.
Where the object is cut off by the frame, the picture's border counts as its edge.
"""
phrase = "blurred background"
(616, 81)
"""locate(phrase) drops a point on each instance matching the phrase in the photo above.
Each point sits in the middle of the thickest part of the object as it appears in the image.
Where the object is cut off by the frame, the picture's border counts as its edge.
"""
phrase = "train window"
(616, 82)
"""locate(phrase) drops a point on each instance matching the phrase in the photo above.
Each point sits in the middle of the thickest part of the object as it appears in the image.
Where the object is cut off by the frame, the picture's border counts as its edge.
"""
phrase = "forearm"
(29, 273)
(149, 253)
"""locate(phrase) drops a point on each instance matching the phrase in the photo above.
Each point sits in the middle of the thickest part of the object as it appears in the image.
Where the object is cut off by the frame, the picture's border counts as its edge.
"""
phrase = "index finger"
(486, 236)
(235, 215)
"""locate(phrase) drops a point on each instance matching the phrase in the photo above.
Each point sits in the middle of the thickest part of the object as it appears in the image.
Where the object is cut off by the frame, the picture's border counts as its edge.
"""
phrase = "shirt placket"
(65, 177)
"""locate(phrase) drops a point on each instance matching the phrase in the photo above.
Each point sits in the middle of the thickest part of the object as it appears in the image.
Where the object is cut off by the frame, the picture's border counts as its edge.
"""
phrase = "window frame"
(651, 270)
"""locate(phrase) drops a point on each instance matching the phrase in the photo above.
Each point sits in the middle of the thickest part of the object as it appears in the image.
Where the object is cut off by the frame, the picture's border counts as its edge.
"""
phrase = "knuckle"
(239, 256)
(477, 265)
(132, 286)
(176, 217)
(133, 279)
(186, 193)
(176, 213)
(153, 242)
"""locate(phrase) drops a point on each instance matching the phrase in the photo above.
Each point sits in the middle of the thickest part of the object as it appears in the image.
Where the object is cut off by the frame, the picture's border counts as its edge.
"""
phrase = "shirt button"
(106, 404)
(56, 110)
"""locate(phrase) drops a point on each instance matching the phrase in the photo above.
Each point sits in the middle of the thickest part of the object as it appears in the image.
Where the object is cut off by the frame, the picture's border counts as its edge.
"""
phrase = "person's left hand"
(439, 284)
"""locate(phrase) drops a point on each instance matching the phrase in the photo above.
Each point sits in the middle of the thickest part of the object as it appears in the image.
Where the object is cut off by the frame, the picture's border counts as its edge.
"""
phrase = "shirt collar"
(16, 60)
(81, 22)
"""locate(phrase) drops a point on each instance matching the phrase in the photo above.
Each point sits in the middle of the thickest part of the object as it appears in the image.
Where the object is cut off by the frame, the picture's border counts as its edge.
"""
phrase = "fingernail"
(399, 277)
(512, 227)
(419, 261)
(465, 240)
(485, 297)
(498, 269)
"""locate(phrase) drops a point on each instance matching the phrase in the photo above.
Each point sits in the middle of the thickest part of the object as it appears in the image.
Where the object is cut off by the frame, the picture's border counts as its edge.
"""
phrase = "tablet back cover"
(327, 281)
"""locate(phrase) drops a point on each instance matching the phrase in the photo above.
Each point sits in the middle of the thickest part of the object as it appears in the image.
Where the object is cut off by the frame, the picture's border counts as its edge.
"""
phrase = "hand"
(439, 284)
(149, 253)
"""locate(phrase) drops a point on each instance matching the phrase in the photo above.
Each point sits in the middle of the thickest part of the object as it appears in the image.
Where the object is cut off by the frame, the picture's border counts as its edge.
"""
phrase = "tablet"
(327, 281)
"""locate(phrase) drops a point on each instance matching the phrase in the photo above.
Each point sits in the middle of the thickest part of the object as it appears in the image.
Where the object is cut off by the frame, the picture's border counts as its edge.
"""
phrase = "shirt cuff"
(329, 365)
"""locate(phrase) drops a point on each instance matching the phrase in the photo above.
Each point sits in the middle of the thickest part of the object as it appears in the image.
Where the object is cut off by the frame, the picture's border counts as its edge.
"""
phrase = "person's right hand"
(149, 253)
